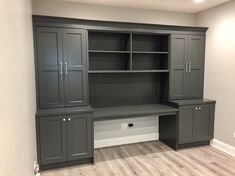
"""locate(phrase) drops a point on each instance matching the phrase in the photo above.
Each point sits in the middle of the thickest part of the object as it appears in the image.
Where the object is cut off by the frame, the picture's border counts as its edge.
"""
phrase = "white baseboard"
(125, 140)
(223, 147)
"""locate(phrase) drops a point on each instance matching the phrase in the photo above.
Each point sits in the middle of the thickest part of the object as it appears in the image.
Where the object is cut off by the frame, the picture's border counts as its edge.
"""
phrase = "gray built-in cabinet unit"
(93, 70)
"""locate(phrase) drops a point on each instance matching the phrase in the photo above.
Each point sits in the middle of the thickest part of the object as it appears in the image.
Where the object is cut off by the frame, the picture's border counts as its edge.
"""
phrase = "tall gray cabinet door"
(204, 123)
(75, 58)
(195, 58)
(186, 125)
(53, 144)
(178, 66)
(80, 136)
(49, 65)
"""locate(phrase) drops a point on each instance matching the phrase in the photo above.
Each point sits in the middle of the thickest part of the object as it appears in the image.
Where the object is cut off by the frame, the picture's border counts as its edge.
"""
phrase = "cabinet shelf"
(106, 51)
(128, 71)
(149, 52)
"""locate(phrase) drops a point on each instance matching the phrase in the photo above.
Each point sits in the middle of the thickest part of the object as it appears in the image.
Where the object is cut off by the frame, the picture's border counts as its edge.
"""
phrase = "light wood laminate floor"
(153, 159)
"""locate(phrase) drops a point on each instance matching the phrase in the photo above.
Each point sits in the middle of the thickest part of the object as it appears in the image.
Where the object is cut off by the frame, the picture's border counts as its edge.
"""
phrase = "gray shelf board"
(128, 71)
(133, 110)
(149, 52)
(107, 51)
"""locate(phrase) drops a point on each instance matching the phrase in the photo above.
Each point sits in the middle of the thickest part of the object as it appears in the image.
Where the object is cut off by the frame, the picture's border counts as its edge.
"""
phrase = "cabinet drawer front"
(80, 132)
(53, 145)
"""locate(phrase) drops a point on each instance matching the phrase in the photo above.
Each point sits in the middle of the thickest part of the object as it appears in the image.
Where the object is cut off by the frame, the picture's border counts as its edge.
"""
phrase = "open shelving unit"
(127, 52)
(126, 68)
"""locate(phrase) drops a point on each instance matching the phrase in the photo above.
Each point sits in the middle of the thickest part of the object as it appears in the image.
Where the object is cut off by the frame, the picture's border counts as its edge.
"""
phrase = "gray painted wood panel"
(195, 57)
(204, 122)
(186, 125)
(79, 136)
(49, 62)
(178, 60)
(134, 110)
(187, 66)
(196, 123)
(75, 59)
(53, 144)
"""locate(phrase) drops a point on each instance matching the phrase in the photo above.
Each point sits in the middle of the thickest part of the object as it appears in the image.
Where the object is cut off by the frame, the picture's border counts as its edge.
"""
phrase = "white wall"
(17, 92)
(109, 13)
(220, 66)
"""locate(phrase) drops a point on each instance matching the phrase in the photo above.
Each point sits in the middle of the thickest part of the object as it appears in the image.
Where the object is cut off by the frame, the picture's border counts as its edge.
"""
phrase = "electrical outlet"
(130, 125)
(234, 135)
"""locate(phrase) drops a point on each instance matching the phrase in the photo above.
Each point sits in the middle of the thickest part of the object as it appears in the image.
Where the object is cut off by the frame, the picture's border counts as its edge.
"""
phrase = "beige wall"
(220, 66)
(17, 92)
(106, 13)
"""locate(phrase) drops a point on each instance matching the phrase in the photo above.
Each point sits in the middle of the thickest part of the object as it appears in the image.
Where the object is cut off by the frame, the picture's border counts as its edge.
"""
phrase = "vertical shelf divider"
(131, 59)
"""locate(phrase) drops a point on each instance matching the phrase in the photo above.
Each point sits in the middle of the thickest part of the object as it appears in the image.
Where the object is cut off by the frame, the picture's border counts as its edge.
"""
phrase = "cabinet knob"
(69, 119)
(64, 119)
(199, 108)
(196, 108)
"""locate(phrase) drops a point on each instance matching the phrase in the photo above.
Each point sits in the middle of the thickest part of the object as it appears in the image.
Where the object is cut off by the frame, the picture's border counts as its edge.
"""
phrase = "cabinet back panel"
(109, 41)
(150, 42)
(150, 61)
(109, 61)
(123, 89)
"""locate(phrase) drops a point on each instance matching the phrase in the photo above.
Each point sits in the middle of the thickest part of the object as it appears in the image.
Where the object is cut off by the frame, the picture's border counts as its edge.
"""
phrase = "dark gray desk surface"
(134, 110)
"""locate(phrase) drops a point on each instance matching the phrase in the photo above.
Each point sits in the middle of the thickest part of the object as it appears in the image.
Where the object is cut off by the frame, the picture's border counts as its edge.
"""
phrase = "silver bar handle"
(190, 67)
(66, 68)
(186, 67)
(61, 68)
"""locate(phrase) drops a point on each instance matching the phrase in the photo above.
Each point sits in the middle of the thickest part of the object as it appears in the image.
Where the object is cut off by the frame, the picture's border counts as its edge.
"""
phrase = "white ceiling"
(167, 5)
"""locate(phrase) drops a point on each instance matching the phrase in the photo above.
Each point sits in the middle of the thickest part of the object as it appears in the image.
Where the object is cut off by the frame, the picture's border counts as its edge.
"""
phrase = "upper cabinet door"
(75, 65)
(195, 58)
(49, 65)
(178, 66)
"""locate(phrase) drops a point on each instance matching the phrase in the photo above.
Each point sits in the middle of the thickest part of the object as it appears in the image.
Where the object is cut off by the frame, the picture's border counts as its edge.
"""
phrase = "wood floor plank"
(153, 159)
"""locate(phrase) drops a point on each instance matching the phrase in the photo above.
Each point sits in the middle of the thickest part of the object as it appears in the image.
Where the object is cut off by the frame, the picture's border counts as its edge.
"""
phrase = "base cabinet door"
(196, 123)
(204, 122)
(186, 125)
(79, 136)
(53, 147)
(64, 138)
